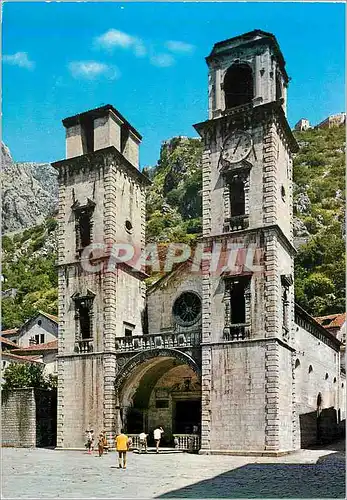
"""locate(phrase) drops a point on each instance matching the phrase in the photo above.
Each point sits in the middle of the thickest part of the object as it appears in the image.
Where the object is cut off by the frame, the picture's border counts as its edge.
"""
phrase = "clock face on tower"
(236, 147)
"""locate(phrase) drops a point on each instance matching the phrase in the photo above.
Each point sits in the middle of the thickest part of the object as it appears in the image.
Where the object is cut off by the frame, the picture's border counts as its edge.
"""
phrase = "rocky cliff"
(29, 192)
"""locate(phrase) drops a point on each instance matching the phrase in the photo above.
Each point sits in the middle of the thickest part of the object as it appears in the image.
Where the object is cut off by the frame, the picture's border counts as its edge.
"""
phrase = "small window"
(237, 197)
(128, 226)
(128, 329)
(39, 322)
(84, 320)
(283, 193)
(326, 321)
(87, 129)
(42, 338)
(326, 376)
(334, 380)
(162, 403)
(84, 225)
(37, 339)
(297, 363)
(342, 385)
(310, 369)
(237, 299)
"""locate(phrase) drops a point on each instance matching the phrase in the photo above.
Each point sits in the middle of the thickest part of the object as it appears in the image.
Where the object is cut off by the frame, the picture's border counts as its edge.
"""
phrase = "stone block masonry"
(28, 418)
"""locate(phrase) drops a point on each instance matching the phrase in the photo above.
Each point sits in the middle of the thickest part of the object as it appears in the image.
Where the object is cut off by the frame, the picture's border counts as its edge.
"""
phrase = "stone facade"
(220, 345)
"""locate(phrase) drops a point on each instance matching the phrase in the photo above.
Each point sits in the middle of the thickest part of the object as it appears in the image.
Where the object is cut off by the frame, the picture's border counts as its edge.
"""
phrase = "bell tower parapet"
(98, 129)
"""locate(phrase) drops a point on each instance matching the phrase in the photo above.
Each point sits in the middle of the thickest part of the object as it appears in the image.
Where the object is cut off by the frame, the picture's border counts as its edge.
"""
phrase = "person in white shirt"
(157, 437)
(143, 442)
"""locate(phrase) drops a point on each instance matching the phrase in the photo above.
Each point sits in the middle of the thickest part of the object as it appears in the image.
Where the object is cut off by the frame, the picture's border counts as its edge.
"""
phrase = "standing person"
(105, 442)
(143, 442)
(122, 443)
(90, 441)
(157, 437)
(101, 444)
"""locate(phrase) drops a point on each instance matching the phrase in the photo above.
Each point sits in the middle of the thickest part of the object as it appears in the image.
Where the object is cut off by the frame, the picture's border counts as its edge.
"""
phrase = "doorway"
(187, 417)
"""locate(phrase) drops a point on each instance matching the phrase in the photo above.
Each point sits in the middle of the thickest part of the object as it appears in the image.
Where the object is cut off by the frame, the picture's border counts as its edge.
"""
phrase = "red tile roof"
(11, 331)
(336, 320)
(7, 342)
(49, 346)
(24, 359)
(50, 316)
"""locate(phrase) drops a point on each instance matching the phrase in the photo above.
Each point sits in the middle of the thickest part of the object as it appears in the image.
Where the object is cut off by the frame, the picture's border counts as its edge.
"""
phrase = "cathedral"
(223, 358)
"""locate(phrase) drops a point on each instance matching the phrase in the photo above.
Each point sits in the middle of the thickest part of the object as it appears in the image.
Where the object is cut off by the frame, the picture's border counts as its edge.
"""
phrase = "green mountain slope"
(173, 213)
(319, 202)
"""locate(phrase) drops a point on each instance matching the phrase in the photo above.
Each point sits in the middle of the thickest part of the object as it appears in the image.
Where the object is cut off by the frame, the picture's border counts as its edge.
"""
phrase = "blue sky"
(147, 59)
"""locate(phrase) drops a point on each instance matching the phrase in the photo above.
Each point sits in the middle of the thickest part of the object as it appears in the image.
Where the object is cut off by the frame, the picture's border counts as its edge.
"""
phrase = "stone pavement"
(42, 473)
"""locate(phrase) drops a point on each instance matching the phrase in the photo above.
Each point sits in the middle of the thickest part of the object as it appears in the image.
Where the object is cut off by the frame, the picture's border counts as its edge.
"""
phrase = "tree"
(21, 375)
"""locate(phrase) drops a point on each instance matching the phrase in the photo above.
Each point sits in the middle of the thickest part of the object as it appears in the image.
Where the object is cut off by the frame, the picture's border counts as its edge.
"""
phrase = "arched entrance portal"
(162, 390)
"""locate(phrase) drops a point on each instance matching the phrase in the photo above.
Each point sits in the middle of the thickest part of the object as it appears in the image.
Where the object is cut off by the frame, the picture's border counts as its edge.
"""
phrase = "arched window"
(297, 363)
(334, 380)
(326, 376)
(238, 85)
(310, 369)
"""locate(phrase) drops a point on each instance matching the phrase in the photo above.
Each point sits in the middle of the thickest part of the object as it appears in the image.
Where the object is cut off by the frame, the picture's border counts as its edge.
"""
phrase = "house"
(10, 334)
(45, 353)
(333, 121)
(302, 124)
(39, 329)
(7, 345)
(335, 324)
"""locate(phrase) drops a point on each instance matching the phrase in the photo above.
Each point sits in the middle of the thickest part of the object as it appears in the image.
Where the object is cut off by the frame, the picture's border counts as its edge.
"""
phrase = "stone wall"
(18, 418)
(317, 370)
(28, 418)
(237, 397)
(81, 406)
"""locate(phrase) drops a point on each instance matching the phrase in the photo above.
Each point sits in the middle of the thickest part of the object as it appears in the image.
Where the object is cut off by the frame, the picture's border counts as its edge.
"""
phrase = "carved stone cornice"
(96, 160)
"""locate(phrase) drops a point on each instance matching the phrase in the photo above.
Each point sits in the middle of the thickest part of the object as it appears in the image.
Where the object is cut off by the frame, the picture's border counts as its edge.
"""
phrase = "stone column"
(272, 378)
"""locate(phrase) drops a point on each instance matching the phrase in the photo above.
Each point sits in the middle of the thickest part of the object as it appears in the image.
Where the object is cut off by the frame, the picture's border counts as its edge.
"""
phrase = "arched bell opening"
(238, 85)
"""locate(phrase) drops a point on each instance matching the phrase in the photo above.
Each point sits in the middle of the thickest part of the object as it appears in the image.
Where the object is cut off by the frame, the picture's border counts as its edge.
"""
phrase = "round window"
(128, 226)
(187, 308)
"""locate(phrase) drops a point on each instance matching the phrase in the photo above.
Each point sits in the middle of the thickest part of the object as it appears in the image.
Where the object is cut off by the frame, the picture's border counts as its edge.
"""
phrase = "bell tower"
(248, 307)
(101, 203)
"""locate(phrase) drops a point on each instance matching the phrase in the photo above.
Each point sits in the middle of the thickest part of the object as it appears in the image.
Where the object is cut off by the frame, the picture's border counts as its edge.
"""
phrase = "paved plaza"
(43, 473)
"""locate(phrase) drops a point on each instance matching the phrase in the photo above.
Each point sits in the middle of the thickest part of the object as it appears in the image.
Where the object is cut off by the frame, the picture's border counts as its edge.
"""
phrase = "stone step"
(161, 450)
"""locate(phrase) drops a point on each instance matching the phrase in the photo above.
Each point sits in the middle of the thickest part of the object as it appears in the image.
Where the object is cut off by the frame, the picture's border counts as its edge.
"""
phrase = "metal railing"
(240, 331)
(157, 340)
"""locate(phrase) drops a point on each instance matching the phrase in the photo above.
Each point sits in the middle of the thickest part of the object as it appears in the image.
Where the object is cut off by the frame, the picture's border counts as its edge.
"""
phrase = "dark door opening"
(187, 417)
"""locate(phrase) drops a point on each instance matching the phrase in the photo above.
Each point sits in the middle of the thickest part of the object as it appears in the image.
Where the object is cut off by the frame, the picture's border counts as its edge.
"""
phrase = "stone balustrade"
(159, 340)
(237, 223)
(84, 346)
(239, 331)
(187, 442)
(135, 441)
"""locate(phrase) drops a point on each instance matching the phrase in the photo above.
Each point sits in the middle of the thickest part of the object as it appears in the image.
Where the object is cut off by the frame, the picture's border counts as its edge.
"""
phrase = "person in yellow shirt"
(122, 444)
